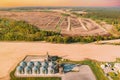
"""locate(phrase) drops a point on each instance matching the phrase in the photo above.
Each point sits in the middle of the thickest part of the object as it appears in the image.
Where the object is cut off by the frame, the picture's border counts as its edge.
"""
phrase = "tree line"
(11, 30)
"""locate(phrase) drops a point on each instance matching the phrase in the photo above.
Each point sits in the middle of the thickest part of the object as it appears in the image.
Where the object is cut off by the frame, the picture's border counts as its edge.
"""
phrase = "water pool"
(68, 67)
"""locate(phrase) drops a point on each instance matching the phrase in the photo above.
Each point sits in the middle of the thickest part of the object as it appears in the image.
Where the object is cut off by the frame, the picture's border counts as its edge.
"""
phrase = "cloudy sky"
(14, 3)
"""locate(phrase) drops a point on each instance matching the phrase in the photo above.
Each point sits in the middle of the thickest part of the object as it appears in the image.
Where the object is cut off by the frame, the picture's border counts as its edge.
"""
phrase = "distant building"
(37, 67)
(102, 66)
(20, 70)
(117, 67)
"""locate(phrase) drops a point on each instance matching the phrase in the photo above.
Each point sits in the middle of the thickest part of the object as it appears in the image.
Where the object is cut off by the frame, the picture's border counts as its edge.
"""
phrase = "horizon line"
(56, 6)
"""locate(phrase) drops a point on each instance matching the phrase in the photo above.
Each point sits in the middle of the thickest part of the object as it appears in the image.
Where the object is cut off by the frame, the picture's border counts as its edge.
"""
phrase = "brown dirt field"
(64, 23)
(11, 53)
(49, 20)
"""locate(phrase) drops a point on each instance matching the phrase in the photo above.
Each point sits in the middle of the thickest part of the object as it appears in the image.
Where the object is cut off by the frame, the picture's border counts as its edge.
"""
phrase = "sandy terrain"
(69, 25)
(11, 53)
(115, 41)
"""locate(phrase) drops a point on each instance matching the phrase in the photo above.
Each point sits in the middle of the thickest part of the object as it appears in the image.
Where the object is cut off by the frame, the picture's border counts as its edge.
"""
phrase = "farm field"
(55, 21)
(58, 27)
(13, 52)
